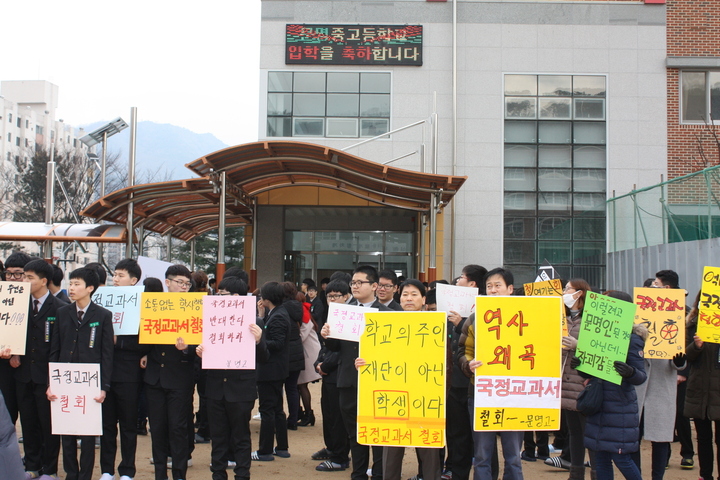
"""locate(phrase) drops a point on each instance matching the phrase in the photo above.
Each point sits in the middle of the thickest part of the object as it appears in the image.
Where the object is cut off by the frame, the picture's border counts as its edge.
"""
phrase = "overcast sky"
(191, 64)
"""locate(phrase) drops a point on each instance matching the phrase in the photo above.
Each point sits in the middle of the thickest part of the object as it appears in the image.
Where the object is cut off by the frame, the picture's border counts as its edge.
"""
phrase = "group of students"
(293, 348)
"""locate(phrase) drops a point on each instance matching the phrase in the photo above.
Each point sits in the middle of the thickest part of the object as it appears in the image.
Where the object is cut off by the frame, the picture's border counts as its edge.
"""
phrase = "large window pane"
(374, 105)
(714, 78)
(520, 228)
(589, 202)
(309, 104)
(589, 157)
(520, 132)
(589, 252)
(372, 127)
(520, 179)
(280, 81)
(560, 85)
(279, 127)
(555, 132)
(589, 229)
(299, 241)
(557, 202)
(557, 253)
(343, 82)
(520, 202)
(589, 86)
(554, 228)
(309, 127)
(589, 132)
(520, 84)
(520, 107)
(587, 180)
(555, 108)
(520, 155)
(519, 252)
(279, 104)
(309, 82)
(590, 108)
(375, 83)
(554, 180)
(342, 127)
(694, 103)
(554, 156)
(398, 242)
(343, 105)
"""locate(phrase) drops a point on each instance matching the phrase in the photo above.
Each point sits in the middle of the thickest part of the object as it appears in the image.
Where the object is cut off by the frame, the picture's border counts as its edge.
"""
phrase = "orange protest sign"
(166, 316)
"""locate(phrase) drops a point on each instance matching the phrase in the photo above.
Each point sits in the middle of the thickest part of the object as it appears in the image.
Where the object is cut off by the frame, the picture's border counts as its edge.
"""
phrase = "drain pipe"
(455, 135)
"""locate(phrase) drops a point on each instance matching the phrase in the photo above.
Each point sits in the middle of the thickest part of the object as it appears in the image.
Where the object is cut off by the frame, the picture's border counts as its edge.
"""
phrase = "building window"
(27, 124)
(10, 117)
(17, 141)
(19, 122)
(700, 97)
(555, 175)
(328, 104)
(39, 129)
(9, 137)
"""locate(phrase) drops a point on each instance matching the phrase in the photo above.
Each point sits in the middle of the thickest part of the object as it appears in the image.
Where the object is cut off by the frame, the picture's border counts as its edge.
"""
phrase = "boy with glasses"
(387, 287)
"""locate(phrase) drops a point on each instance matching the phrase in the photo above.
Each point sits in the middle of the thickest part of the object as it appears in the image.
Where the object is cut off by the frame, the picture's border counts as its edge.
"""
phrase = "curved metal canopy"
(187, 208)
(61, 232)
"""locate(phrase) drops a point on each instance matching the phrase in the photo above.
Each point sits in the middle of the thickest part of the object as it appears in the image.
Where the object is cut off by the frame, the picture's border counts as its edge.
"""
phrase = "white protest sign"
(456, 299)
(75, 411)
(14, 302)
(153, 268)
(347, 322)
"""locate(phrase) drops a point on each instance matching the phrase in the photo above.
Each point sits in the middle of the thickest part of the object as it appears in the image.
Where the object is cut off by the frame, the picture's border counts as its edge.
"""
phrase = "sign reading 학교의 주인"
(14, 301)
(401, 388)
(353, 44)
(517, 387)
(662, 311)
(166, 316)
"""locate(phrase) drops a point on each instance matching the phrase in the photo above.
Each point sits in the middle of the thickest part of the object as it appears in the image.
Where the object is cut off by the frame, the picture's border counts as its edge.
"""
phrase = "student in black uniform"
(83, 334)
(121, 404)
(231, 397)
(41, 447)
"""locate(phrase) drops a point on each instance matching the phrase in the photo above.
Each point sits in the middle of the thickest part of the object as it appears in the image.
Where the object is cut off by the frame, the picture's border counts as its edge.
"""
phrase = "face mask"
(569, 299)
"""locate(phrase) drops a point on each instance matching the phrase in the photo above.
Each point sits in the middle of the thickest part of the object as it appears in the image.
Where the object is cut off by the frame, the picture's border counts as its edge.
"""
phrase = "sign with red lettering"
(75, 411)
(662, 311)
(353, 44)
(166, 316)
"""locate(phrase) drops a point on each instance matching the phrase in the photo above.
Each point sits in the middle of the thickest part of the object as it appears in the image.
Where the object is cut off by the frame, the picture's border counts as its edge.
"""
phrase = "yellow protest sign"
(548, 288)
(708, 323)
(165, 316)
(401, 389)
(518, 385)
(662, 311)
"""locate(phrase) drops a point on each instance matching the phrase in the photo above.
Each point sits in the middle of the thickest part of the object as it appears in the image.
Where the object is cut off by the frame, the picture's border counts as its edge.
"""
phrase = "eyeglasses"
(357, 283)
(180, 283)
(383, 286)
(334, 297)
(17, 275)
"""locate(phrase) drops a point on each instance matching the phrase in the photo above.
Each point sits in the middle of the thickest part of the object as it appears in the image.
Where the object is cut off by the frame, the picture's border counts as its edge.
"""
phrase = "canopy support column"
(220, 267)
(432, 268)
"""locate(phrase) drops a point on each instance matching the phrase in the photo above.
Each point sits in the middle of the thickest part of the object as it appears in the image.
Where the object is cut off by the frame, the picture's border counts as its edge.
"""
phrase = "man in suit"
(231, 397)
(83, 334)
(55, 283)
(169, 378)
(364, 286)
(41, 447)
(121, 404)
(387, 287)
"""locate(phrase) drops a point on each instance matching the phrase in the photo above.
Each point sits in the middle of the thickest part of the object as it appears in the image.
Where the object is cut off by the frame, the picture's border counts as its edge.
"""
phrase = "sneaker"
(446, 475)
(415, 477)
(328, 466)
(199, 439)
(231, 464)
(256, 416)
(107, 476)
(687, 463)
(281, 453)
(552, 449)
(189, 462)
(125, 477)
(261, 458)
(322, 454)
(558, 462)
(525, 456)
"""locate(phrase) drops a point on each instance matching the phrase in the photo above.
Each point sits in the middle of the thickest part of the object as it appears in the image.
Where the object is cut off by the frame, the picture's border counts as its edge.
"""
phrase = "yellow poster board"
(165, 316)
(548, 288)
(662, 311)
(518, 387)
(708, 322)
(401, 389)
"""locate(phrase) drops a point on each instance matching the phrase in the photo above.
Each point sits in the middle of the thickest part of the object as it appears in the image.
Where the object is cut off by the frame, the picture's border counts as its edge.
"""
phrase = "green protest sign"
(604, 335)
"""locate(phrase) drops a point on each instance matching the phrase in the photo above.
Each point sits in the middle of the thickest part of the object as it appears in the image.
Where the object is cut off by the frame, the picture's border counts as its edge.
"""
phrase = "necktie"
(80, 315)
(36, 302)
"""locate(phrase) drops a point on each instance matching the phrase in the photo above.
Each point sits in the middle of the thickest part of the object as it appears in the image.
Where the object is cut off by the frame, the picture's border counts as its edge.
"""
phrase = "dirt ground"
(307, 440)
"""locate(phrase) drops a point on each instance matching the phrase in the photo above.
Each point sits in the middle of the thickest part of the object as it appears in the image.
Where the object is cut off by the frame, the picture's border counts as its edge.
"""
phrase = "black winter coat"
(702, 399)
(295, 348)
(615, 428)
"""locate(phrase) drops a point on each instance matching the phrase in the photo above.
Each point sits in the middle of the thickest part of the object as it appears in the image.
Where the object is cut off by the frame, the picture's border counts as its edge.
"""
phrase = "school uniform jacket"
(34, 364)
(235, 385)
(90, 341)
(126, 359)
(170, 368)
(276, 333)
(394, 306)
(347, 373)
